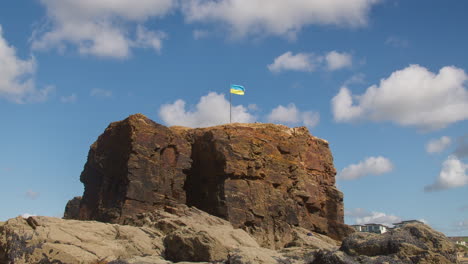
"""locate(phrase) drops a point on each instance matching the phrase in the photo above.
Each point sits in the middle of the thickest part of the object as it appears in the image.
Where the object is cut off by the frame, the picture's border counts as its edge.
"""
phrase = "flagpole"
(230, 106)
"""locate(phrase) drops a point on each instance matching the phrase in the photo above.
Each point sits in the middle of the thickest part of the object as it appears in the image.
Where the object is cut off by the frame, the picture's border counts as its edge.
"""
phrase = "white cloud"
(308, 62)
(27, 215)
(362, 217)
(212, 109)
(370, 166)
(291, 115)
(100, 92)
(299, 62)
(413, 96)
(357, 212)
(17, 76)
(277, 17)
(101, 28)
(438, 145)
(336, 60)
(68, 99)
(343, 108)
(452, 175)
(424, 221)
(149, 39)
(32, 194)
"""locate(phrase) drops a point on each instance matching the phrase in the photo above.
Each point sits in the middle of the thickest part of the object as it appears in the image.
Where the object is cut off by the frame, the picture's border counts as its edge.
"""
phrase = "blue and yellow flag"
(237, 89)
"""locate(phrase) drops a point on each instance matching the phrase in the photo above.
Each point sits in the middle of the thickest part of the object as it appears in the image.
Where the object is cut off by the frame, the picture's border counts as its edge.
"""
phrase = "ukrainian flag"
(237, 89)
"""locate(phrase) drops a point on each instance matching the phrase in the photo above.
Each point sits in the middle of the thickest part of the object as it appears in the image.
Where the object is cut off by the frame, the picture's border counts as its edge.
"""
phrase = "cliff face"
(134, 166)
(264, 178)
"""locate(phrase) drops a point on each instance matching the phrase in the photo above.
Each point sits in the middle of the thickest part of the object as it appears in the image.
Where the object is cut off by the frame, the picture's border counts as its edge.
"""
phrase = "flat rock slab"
(50, 239)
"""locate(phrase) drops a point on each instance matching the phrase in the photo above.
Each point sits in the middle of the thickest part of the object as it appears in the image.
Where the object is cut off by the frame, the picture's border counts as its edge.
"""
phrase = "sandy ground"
(463, 260)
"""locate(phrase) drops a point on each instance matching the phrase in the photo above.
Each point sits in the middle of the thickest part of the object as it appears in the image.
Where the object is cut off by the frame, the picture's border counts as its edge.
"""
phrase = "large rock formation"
(136, 165)
(410, 244)
(187, 235)
(264, 178)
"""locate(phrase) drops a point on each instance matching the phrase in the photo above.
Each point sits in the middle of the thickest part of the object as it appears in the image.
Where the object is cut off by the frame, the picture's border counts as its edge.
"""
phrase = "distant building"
(460, 240)
(376, 228)
(360, 228)
(402, 223)
(371, 228)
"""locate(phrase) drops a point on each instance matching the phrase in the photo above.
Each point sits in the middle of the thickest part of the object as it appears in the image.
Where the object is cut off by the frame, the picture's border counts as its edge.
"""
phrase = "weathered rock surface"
(185, 235)
(53, 240)
(72, 209)
(194, 235)
(264, 178)
(410, 244)
(136, 165)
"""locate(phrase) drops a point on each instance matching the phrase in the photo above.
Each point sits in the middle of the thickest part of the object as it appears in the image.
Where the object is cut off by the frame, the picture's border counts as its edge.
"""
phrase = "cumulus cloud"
(277, 17)
(370, 166)
(291, 115)
(336, 60)
(32, 194)
(361, 217)
(100, 92)
(17, 76)
(68, 99)
(212, 109)
(413, 96)
(290, 62)
(101, 28)
(308, 62)
(438, 145)
(452, 175)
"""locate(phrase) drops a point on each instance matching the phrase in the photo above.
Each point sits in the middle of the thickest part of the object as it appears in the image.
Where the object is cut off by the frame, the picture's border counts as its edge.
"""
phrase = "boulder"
(53, 240)
(72, 209)
(191, 245)
(194, 235)
(245, 255)
(266, 179)
(332, 257)
(412, 243)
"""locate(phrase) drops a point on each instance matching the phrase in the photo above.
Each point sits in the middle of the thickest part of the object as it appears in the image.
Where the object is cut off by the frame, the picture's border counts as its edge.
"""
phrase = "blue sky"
(384, 81)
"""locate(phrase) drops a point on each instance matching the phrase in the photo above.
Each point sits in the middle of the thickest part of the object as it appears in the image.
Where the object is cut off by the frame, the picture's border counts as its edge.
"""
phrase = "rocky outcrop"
(53, 240)
(266, 179)
(410, 244)
(135, 166)
(186, 235)
(177, 234)
(194, 235)
(72, 209)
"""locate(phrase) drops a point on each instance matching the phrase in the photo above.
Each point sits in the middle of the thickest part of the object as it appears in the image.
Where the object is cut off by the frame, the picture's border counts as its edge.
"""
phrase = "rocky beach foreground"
(234, 194)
